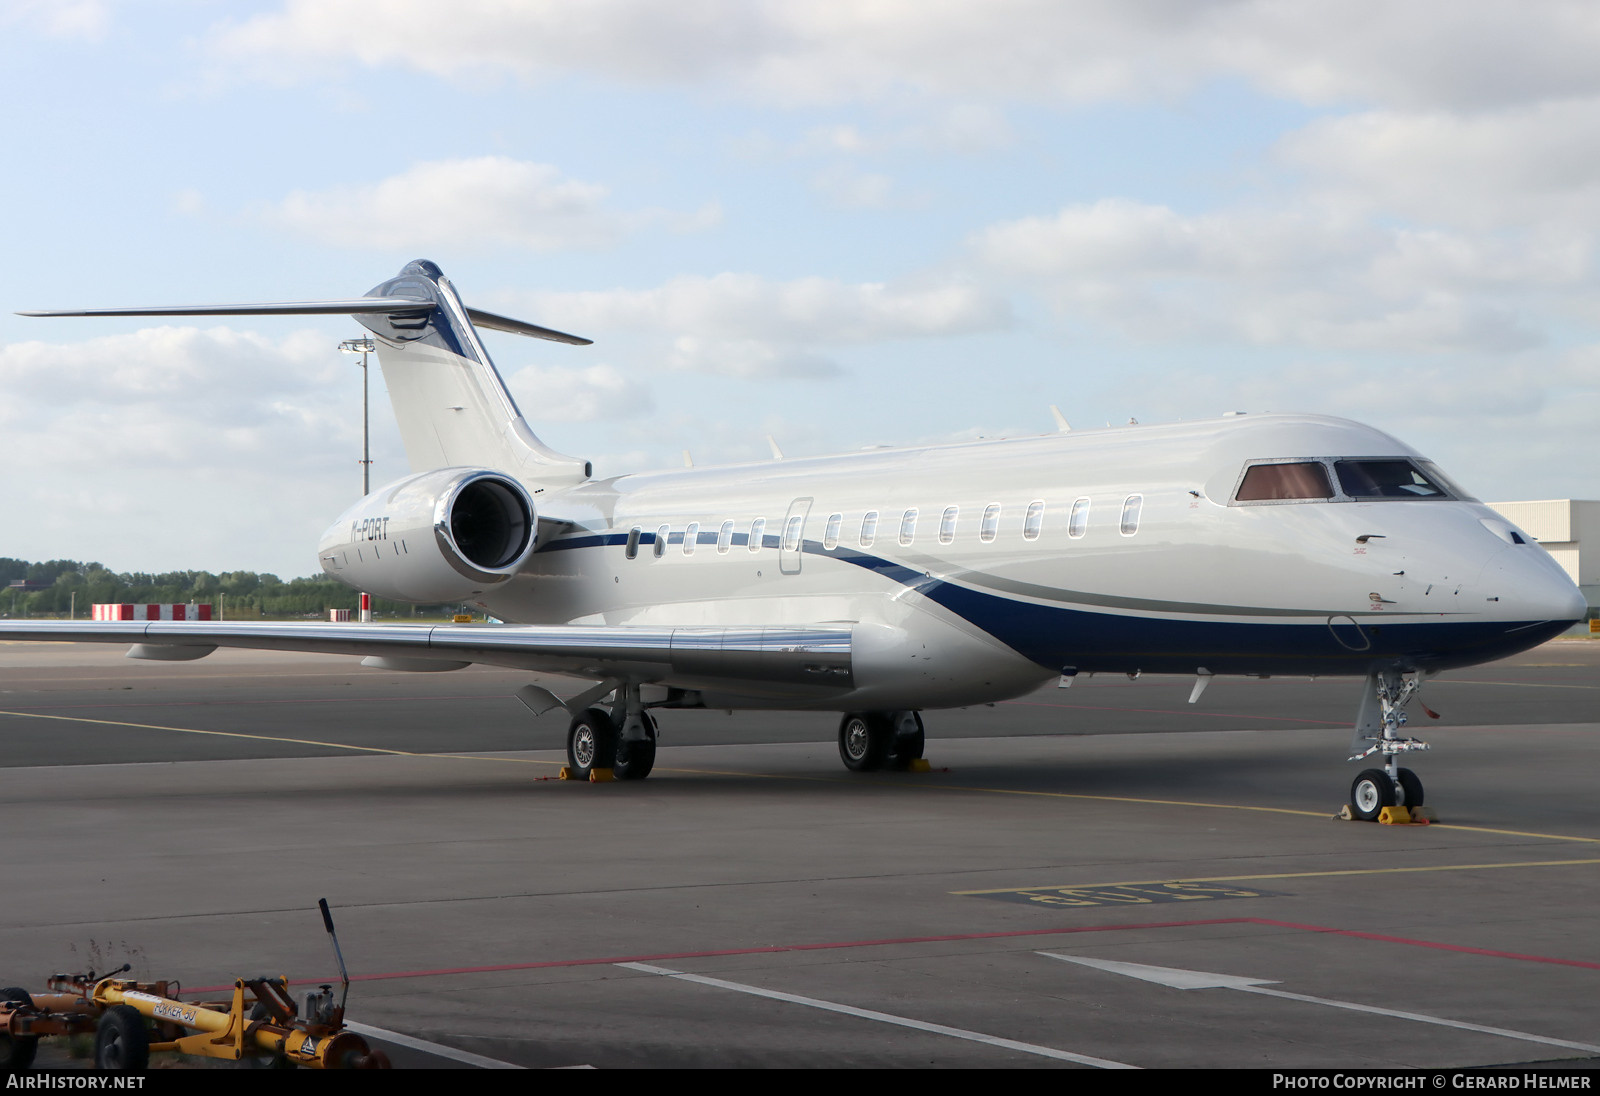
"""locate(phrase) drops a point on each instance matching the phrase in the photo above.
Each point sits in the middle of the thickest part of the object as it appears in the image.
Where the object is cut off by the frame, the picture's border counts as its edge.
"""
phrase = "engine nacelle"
(439, 536)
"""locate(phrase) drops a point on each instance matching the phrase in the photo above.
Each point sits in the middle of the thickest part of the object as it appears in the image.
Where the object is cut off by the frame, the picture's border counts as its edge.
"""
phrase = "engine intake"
(438, 536)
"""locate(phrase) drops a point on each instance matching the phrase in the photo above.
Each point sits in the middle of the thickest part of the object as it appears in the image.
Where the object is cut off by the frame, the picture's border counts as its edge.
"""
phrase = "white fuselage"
(966, 614)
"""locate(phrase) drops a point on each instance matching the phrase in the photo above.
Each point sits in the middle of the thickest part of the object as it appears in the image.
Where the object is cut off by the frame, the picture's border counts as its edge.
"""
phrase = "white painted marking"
(462, 1056)
(1194, 979)
(1166, 976)
(885, 1018)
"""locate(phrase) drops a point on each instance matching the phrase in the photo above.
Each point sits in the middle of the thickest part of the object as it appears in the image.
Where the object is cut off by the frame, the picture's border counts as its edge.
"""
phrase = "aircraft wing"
(690, 657)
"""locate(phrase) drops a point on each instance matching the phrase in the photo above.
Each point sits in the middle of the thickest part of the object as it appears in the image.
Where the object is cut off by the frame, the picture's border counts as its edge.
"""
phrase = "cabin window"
(1130, 514)
(1033, 520)
(758, 533)
(724, 537)
(791, 532)
(1279, 482)
(1078, 522)
(690, 535)
(947, 524)
(663, 534)
(991, 523)
(1385, 479)
(869, 528)
(633, 542)
(830, 535)
(908, 526)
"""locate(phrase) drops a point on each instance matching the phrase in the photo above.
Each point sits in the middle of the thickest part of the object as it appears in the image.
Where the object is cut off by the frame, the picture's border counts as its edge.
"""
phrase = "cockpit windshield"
(1336, 479)
(1386, 479)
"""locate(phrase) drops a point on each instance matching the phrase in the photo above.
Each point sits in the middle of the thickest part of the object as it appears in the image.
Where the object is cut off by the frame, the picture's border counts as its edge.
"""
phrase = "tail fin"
(452, 406)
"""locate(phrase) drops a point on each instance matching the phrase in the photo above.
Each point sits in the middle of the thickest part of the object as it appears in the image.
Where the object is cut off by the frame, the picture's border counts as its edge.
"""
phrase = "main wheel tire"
(16, 1051)
(121, 1042)
(591, 743)
(636, 759)
(908, 747)
(1410, 789)
(865, 739)
(1371, 791)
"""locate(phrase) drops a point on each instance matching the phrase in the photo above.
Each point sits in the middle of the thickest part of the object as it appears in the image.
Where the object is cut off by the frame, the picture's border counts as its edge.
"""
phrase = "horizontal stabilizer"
(352, 306)
(481, 318)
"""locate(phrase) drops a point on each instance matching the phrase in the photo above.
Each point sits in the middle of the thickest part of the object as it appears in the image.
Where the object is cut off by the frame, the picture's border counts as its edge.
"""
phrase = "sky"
(842, 223)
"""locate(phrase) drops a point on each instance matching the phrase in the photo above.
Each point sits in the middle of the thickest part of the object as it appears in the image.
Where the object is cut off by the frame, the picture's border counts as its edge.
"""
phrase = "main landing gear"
(621, 743)
(872, 740)
(1378, 723)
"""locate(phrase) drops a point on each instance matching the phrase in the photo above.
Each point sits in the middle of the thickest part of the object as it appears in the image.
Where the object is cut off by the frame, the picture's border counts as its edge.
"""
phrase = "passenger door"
(792, 538)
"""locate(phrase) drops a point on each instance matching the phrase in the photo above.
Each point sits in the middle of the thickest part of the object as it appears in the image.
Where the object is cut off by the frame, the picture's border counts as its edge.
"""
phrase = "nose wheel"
(1378, 722)
(1370, 793)
(1375, 789)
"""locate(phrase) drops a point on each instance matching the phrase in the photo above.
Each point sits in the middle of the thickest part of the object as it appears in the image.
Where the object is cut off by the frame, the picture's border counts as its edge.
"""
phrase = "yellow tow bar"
(228, 1032)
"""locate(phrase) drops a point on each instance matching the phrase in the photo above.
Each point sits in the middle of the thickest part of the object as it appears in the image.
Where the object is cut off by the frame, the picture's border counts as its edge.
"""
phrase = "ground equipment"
(130, 1019)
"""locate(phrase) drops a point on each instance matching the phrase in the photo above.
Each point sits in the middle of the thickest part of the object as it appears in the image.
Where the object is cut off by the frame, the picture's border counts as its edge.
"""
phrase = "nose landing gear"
(1378, 721)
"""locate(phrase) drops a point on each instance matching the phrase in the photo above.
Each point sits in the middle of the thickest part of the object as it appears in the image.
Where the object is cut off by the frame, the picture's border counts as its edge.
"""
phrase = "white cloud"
(1308, 278)
(851, 189)
(1537, 164)
(461, 203)
(471, 204)
(746, 325)
(747, 358)
(58, 18)
(1464, 53)
(819, 310)
(587, 394)
(960, 128)
(171, 446)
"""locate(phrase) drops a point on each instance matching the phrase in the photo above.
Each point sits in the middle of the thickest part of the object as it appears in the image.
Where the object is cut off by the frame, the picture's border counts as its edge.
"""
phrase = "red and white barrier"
(152, 611)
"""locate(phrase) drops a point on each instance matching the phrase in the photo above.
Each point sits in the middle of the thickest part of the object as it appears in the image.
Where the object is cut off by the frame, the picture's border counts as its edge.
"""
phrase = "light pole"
(363, 346)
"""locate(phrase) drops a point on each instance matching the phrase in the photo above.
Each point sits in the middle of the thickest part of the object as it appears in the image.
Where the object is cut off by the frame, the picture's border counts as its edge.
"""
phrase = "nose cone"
(1576, 606)
(1533, 587)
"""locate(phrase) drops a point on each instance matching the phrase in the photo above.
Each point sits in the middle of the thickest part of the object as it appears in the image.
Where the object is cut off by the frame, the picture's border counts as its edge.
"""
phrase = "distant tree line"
(247, 594)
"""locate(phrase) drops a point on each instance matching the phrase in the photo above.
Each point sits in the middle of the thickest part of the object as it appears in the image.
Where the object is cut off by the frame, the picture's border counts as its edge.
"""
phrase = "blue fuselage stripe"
(1093, 640)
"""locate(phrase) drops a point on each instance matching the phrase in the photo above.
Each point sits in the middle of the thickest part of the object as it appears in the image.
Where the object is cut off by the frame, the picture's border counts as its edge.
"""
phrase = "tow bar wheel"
(16, 1051)
(121, 1042)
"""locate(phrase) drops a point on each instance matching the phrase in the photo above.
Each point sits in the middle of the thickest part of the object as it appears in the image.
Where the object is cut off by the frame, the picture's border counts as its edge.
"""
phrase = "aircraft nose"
(1577, 606)
(1535, 587)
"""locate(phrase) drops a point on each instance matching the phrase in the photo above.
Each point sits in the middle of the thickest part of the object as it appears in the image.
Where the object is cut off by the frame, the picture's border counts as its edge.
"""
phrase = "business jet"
(885, 583)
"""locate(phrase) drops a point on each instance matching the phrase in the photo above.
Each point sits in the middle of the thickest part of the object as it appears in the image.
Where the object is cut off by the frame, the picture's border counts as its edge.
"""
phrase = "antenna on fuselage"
(777, 454)
(1062, 426)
